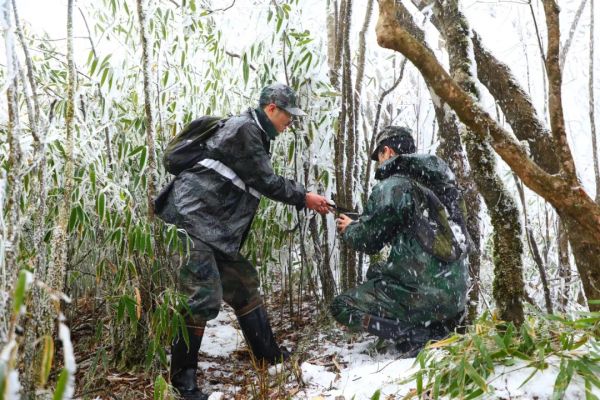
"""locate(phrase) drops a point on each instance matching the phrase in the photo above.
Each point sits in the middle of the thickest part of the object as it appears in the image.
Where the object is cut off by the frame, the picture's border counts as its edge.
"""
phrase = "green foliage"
(20, 291)
(61, 385)
(161, 388)
(469, 362)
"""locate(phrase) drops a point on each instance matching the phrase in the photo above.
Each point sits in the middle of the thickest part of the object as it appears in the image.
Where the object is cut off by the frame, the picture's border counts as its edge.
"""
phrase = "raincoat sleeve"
(385, 215)
(248, 158)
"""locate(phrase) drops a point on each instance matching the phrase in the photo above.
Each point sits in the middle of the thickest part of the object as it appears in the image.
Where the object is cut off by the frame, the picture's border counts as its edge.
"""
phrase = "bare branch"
(234, 55)
(33, 111)
(554, 73)
(565, 48)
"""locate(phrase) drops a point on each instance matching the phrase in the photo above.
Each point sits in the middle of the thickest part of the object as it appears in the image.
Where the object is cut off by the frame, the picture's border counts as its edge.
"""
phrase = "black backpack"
(185, 149)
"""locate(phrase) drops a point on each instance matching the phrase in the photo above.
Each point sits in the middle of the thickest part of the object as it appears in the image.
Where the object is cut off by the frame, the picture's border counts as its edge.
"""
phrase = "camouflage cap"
(282, 96)
(405, 143)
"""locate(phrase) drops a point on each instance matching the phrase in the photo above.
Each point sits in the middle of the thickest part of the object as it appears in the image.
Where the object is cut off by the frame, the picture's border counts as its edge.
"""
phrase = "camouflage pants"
(354, 306)
(208, 277)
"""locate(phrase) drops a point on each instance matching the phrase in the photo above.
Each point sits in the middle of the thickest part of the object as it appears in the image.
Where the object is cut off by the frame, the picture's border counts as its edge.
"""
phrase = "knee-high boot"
(259, 336)
(184, 364)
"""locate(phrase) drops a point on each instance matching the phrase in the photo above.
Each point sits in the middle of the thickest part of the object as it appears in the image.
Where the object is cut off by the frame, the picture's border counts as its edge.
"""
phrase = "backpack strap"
(228, 173)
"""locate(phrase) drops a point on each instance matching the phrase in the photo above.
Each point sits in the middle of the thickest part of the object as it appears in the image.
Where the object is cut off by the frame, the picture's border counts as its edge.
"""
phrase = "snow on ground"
(360, 374)
(336, 369)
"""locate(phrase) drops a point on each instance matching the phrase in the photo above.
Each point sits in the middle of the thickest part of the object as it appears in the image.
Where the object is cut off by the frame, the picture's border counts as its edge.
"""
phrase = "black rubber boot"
(259, 336)
(184, 363)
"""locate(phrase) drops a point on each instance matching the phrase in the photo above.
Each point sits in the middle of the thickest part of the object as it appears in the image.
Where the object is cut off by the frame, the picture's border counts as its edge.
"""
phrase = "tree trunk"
(570, 200)
(149, 109)
(450, 149)
(516, 106)
(14, 185)
(564, 266)
(57, 268)
(592, 104)
(533, 248)
(322, 261)
(40, 304)
(507, 248)
(554, 73)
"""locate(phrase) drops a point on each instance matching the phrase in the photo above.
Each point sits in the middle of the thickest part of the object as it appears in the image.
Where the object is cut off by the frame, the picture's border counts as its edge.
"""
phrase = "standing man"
(419, 293)
(215, 202)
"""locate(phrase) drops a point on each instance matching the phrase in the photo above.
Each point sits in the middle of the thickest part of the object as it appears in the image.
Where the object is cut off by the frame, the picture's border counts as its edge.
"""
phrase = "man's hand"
(342, 222)
(316, 202)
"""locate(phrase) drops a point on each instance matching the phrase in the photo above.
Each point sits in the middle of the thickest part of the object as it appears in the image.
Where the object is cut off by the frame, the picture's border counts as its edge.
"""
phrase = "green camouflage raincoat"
(418, 210)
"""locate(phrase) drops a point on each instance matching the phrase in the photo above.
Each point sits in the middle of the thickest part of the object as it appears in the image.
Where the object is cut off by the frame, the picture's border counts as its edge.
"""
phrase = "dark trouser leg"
(199, 280)
(351, 307)
(240, 291)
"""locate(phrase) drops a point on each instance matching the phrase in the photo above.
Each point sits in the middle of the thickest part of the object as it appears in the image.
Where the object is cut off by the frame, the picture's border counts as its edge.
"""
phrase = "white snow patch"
(222, 335)
(508, 379)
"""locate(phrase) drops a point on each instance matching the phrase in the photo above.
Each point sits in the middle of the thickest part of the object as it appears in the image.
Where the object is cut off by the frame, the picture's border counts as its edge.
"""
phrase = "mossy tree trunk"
(345, 138)
(508, 287)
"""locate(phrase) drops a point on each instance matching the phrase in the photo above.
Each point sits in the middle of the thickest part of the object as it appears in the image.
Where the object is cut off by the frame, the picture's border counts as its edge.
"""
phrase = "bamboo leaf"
(474, 375)
(61, 385)
(3, 378)
(104, 75)
(47, 358)
(20, 291)
(160, 388)
(443, 343)
(93, 66)
(72, 220)
(100, 205)
(245, 69)
(562, 379)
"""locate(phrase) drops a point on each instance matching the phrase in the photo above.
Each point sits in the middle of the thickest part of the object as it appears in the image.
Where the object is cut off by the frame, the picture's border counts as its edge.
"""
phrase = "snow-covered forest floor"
(329, 363)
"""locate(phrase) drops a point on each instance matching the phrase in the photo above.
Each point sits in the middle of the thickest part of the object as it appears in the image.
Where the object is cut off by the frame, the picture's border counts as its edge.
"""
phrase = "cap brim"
(295, 111)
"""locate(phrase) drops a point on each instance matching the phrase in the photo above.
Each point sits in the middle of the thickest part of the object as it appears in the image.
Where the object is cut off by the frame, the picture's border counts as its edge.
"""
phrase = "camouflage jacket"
(215, 201)
(426, 271)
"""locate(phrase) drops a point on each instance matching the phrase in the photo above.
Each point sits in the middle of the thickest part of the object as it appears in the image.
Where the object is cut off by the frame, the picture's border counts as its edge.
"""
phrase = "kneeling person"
(419, 293)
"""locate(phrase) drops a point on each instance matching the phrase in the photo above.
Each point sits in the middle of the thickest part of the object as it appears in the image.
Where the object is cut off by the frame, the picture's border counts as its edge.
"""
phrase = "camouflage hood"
(427, 169)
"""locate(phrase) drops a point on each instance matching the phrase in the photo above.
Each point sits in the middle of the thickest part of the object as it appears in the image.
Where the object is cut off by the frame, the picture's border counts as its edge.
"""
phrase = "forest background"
(95, 90)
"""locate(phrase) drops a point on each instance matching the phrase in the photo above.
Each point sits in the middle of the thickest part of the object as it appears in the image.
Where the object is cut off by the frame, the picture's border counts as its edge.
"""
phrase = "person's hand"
(316, 202)
(342, 222)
